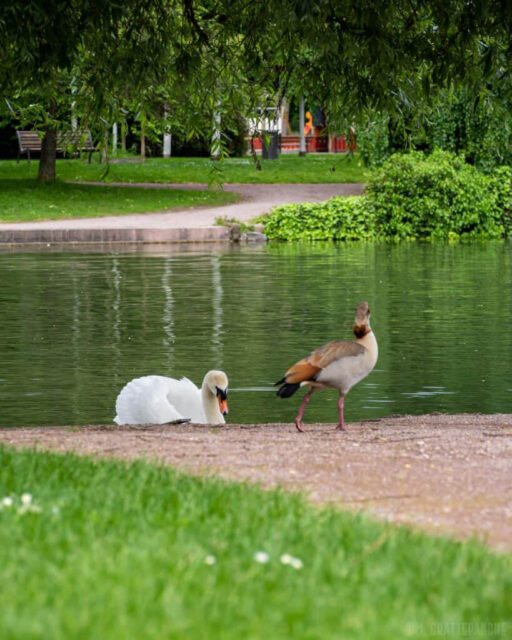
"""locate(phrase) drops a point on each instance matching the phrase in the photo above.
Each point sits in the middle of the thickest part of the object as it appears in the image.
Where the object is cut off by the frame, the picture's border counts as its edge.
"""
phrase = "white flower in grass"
(55, 510)
(29, 508)
(7, 501)
(288, 559)
(262, 557)
(27, 505)
(210, 560)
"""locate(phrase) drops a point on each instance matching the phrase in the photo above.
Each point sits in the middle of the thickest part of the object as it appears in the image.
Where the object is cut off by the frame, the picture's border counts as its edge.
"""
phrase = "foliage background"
(477, 128)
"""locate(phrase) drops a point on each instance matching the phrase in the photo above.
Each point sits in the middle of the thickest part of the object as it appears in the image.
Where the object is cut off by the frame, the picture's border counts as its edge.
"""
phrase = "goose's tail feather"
(287, 389)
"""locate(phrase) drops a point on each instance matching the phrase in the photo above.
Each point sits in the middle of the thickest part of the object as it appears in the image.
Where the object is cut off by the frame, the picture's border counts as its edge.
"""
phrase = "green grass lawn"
(23, 200)
(288, 168)
(113, 550)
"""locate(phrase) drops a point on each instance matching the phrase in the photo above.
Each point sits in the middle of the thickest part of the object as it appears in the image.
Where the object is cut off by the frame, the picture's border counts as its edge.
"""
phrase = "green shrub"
(500, 184)
(412, 196)
(433, 197)
(335, 219)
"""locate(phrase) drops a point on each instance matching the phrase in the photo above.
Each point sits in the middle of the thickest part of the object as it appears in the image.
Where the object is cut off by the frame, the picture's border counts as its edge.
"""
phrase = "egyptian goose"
(157, 400)
(339, 365)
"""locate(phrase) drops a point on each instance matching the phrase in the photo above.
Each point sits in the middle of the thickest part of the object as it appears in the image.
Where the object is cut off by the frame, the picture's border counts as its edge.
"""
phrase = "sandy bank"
(444, 473)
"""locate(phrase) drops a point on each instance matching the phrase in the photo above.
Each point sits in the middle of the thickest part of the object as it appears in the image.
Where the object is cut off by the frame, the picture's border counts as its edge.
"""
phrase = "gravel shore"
(448, 474)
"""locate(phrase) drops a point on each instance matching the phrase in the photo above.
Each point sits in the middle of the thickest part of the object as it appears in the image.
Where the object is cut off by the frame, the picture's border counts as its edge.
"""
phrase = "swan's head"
(217, 383)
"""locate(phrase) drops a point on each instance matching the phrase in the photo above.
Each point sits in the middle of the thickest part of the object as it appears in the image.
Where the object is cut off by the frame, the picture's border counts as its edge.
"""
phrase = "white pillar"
(302, 147)
(167, 145)
(167, 139)
(166, 153)
(114, 139)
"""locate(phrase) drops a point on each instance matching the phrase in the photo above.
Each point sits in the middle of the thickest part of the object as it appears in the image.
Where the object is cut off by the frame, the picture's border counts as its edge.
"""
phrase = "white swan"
(157, 400)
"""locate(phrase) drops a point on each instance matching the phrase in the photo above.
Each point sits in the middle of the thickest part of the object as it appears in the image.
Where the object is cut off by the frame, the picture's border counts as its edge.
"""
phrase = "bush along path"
(412, 196)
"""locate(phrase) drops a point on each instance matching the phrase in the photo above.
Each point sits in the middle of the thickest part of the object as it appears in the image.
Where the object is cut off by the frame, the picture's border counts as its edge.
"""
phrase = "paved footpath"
(193, 224)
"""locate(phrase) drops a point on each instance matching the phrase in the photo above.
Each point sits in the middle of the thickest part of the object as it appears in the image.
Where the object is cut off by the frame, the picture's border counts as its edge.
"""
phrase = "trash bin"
(270, 145)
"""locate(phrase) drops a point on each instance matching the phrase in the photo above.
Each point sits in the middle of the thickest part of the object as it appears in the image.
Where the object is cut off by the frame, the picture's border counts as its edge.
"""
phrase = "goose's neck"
(211, 406)
(369, 341)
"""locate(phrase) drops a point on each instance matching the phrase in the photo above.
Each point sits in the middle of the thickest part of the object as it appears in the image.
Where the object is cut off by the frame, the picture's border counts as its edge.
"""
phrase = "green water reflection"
(76, 326)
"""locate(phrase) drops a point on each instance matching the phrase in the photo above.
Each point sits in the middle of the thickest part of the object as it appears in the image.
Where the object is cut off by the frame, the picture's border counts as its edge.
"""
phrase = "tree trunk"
(143, 148)
(48, 156)
(285, 118)
(253, 152)
(104, 153)
(142, 142)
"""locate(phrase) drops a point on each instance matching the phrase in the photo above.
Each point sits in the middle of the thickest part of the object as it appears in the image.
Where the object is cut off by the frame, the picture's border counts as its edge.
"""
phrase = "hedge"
(412, 196)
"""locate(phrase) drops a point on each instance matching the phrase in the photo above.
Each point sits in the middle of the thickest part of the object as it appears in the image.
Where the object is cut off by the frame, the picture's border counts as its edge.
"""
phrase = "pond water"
(77, 326)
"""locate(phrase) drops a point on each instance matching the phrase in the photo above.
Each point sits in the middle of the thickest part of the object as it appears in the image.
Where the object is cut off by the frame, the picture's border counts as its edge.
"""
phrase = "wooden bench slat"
(77, 140)
(29, 139)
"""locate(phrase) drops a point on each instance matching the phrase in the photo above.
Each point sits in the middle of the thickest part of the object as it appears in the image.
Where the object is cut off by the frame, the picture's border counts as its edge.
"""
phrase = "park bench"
(76, 140)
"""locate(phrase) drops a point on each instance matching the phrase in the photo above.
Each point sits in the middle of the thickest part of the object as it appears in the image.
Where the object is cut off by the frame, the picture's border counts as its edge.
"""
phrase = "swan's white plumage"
(157, 400)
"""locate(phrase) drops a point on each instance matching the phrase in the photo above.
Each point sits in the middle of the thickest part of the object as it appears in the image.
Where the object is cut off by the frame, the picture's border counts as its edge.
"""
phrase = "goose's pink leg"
(298, 419)
(341, 424)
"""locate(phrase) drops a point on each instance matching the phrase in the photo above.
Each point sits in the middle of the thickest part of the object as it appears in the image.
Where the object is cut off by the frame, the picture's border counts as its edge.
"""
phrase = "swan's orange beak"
(223, 406)
(222, 397)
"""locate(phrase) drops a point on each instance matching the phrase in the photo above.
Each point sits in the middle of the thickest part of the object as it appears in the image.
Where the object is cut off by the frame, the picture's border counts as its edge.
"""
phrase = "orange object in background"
(309, 123)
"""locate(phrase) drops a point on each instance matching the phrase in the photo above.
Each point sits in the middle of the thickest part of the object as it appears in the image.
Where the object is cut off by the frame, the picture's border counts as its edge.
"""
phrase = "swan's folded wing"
(146, 401)
(187, 400)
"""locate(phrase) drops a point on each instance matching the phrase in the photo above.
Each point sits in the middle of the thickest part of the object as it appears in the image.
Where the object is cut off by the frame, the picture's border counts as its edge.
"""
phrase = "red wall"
(318, 144)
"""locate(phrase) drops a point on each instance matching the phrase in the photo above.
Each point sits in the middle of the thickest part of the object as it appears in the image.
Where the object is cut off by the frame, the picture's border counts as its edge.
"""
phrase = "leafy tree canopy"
(194, 58)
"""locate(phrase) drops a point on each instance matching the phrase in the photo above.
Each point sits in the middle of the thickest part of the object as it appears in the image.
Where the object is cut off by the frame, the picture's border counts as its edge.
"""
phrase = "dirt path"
(255, 200)
(450, 474)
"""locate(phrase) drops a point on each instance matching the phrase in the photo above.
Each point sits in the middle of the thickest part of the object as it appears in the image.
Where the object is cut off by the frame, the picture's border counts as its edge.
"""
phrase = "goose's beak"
(222, 397)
